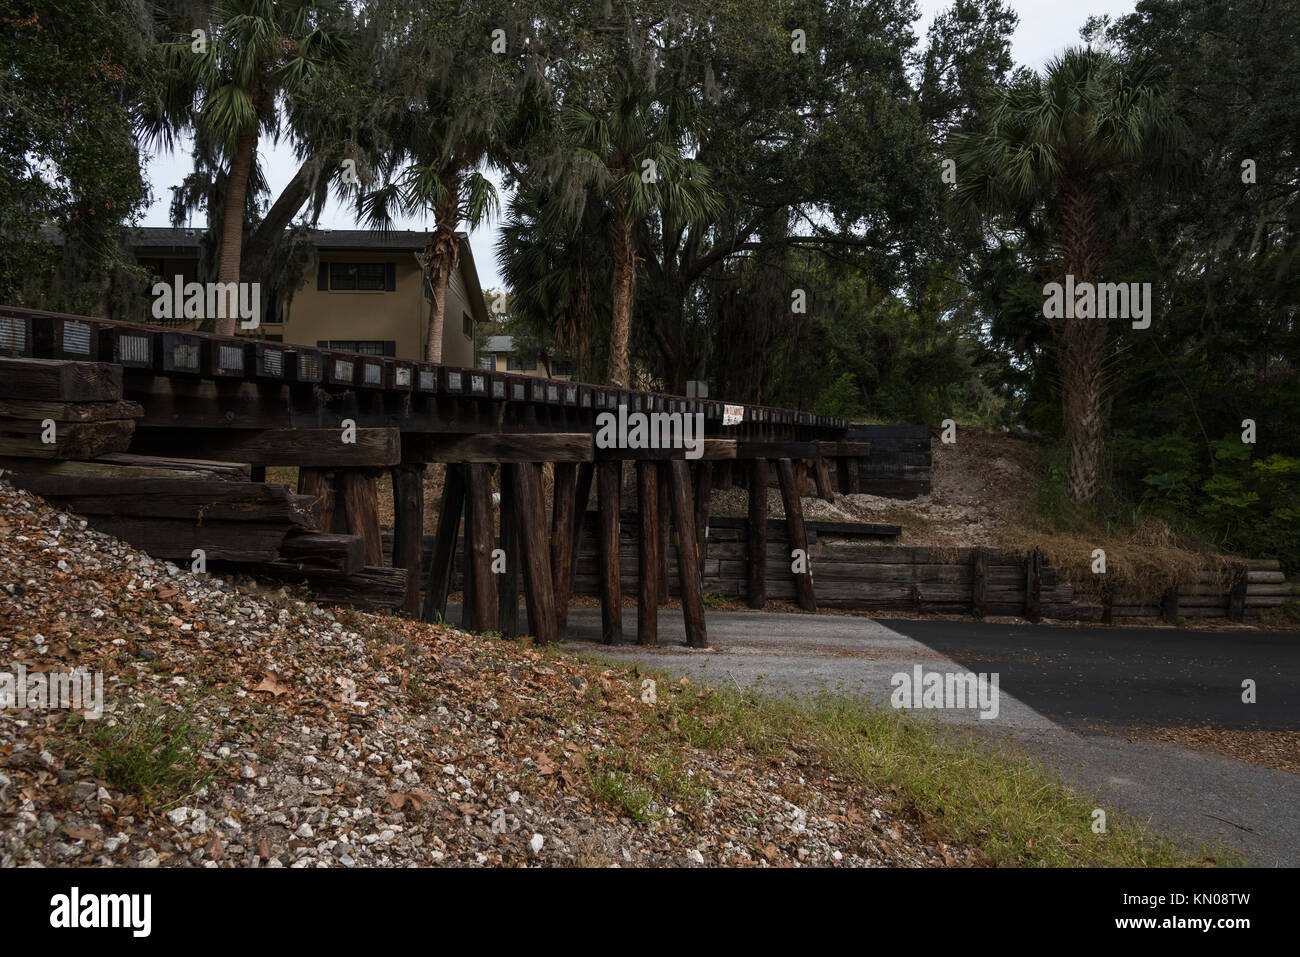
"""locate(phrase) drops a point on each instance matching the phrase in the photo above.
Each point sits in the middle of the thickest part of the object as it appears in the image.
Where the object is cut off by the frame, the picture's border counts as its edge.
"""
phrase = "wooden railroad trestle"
(345, 420)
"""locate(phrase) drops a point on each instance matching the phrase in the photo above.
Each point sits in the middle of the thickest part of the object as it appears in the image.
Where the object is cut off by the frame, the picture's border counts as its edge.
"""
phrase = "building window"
(561, 367)
(358, 276)
(514, 364)
(372, 347)
(467, 325)
(488, 362)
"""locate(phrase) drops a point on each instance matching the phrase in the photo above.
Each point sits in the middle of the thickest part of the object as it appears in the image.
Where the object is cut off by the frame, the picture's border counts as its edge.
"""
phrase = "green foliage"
(152, 752)
(68, 159)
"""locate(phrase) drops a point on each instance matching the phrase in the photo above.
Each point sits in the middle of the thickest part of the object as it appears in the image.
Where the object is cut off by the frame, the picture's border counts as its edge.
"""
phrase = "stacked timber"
(63, 409)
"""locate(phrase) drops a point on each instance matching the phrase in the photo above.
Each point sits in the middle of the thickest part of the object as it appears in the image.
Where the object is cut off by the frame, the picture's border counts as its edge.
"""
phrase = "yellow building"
(367, 295)
(498, 355)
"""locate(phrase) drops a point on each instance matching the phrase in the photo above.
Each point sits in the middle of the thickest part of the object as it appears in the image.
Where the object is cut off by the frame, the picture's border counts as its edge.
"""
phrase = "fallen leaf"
(80, 833)
(270, 684)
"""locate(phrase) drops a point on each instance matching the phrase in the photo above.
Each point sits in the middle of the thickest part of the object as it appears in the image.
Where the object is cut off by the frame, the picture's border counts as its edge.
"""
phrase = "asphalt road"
(1064, 696)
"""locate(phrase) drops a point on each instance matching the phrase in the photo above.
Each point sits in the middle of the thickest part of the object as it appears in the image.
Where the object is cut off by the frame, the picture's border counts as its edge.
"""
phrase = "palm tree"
(450, 105)
(227, 87)
(1062, 153)
(629, 152)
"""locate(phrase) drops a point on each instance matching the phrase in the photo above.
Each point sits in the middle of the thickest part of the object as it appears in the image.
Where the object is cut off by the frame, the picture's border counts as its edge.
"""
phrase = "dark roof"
(179, 239)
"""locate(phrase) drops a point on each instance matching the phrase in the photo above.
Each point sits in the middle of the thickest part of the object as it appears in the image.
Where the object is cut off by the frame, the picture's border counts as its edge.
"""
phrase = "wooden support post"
(797, 533)
(319, 483)
(1169, 605)
(853, 472)
(479, 596)
(257, 473)
(530, 519)
(408, 529)
(979, 579)
(823, 474)
(665, 534)
(1107, 602)
(703, 491)
(647, 609)
(586, 472)
(688, 556)
(801, 476)
(1237, 597)
(562, 535)
(508, 581)
(609, 480)
(1033, 586)
(444, 544)
(758, 533)
(361, 506)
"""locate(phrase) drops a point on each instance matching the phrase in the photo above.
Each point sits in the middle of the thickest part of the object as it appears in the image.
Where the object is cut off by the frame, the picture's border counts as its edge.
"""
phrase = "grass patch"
(643, 784)
(952, 785)
(151, 752)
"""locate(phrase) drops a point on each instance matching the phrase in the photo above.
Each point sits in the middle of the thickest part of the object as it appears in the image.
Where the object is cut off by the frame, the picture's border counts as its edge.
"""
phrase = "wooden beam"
(499, 447)
(211, 500)
(688, 556)
(609, 481)
(776, 450)
(757, 556)
(647, 609)
(408, 529)
(1237, 596)
(444, 545)
(60, 380)
(123, 465)
(320, 484)
(711, 450)
(360, 495)
(480, 585)
(508, 581)
(320, 448)
(70, 411)
(25, 438)
(530, 515)
(325, 551)
(565, 482)
(176, 538)
(797, 534)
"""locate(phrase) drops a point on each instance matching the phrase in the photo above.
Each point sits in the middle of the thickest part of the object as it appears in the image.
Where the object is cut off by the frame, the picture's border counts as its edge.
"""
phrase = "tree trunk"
(1081, 348)
(440, 257)
(624, 276)
(232, 230)
(257, 251)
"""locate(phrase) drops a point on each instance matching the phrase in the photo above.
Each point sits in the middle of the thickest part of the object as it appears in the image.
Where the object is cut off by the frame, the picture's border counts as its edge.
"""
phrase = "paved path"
(1060, 689)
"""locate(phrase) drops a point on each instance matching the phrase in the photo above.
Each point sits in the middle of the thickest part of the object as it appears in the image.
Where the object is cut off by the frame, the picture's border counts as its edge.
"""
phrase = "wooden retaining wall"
(962, 581)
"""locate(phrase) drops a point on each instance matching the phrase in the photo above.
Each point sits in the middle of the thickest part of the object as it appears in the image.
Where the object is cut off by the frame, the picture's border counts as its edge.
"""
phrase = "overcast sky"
(1046, 28)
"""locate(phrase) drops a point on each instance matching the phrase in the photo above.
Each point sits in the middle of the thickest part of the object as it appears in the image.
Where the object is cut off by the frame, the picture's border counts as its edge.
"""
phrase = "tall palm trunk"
(232, 230)
(440, 256)
(1081, 353)
(624, 276)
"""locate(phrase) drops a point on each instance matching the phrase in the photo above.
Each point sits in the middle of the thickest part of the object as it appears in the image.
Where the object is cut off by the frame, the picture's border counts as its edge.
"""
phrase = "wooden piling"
(563, 524)
(608, 489)
(688, 556)
(530, 520)
(647, 611)
(480, 585)
(757, 533)
(444, 544)
(508, 581)
(319, 483)
(797, 534)
(408, 529)
(361, 506)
